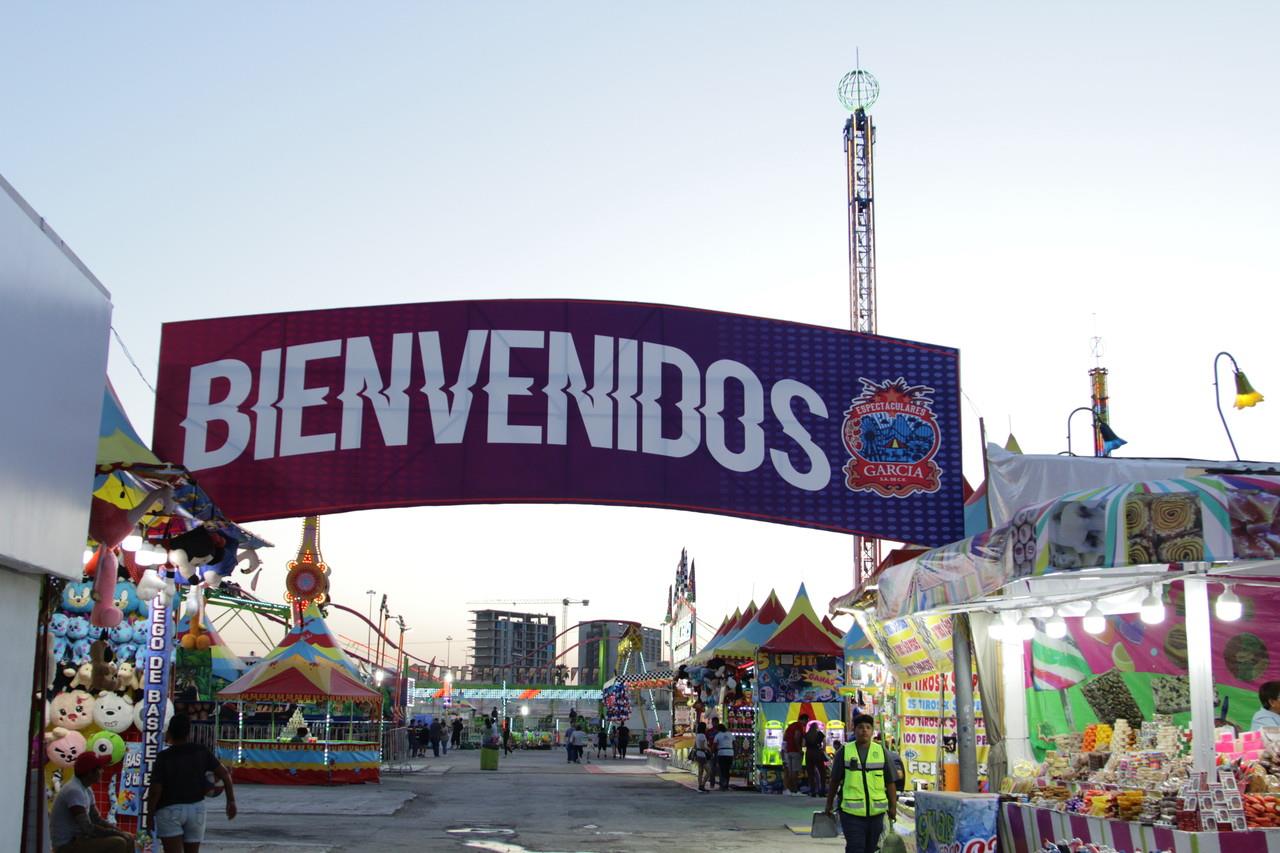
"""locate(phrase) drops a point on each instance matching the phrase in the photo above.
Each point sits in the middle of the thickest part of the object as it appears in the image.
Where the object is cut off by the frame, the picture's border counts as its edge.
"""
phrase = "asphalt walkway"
(535, 802)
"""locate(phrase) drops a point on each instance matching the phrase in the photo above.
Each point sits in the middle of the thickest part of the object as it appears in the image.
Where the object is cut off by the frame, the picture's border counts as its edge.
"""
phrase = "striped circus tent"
(227, 666)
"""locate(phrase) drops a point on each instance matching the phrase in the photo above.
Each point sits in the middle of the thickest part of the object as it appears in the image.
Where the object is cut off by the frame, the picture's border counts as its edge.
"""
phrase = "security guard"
(864, 782)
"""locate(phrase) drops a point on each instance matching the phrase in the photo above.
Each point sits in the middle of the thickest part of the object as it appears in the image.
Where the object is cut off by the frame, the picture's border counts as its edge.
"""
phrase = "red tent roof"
(831, 627)
(801, 632)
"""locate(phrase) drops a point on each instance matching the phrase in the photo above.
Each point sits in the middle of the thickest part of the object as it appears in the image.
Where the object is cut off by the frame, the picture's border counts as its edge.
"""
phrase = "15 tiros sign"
(595, 402)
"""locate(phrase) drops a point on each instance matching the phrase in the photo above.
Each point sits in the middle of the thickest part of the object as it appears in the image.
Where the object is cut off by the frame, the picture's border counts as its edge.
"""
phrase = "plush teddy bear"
(81, 676)
(113, 712)
(104, 669)
(77, 597)
(127, 676)
(63, 746)
(140, 707)
(72, 710)
(121, 635)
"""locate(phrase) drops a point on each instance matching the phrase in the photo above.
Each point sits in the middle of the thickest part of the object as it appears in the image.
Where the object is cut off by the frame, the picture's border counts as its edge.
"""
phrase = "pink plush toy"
(105, 613)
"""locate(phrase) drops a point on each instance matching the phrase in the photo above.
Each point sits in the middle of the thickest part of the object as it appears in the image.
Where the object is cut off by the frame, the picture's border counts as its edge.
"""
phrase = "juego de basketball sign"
(504, 401)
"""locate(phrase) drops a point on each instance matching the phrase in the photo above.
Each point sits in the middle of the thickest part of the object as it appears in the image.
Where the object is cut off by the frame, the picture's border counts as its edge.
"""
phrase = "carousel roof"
(306, 666)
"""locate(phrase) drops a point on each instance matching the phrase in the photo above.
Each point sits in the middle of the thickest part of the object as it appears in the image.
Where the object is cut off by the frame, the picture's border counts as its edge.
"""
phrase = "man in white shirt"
(1269, 714)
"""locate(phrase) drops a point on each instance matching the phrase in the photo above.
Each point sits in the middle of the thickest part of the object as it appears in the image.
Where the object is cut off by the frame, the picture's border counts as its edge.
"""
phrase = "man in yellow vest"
(862, 781)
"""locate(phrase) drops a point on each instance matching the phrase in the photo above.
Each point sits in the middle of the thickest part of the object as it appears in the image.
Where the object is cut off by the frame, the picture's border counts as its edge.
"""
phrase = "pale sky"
(1042, 175)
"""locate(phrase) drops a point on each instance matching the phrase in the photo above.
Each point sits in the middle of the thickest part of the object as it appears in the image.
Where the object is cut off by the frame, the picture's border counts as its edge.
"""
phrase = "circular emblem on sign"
(306, 582)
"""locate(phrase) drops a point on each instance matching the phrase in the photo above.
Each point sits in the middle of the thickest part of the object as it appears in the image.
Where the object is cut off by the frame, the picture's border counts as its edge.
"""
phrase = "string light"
(1094, 621)
(1056, 627)
(1228, 607)
(1152, 611)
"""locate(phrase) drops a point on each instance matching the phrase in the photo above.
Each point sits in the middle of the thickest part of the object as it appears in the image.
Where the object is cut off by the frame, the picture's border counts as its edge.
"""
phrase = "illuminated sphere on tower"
(858, 90)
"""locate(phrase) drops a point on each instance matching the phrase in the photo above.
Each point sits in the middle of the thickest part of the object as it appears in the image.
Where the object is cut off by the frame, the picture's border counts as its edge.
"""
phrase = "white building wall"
(55, 319)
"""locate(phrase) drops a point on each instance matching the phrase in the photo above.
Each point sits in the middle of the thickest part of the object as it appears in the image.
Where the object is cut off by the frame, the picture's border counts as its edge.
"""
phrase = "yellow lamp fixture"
(1246, 395)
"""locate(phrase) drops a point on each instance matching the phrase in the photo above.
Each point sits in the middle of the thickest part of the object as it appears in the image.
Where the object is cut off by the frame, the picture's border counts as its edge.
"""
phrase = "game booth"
(108, 639)
(1126, 706)
(308, 669)
(763, 668)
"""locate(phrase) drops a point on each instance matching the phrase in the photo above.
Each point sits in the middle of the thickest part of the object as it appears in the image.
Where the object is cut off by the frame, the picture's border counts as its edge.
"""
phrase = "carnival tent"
(755, 632)
(726, 628)
(308, 665)
(724, 647)
(802, 632)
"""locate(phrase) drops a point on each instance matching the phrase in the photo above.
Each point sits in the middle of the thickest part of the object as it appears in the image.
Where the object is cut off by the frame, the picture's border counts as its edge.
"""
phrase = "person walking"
(580, 742)
(702, 755)
(624, 739)
(175, 800)
(815, 759)
(724, 756)
(602, 740)
(793, 754)
(863, 784)
(613, 740)
(74, 823)
(506, 736)
(457, 733)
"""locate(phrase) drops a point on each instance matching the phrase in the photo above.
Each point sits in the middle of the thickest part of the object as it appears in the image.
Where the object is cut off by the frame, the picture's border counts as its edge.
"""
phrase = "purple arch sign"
(282, 415)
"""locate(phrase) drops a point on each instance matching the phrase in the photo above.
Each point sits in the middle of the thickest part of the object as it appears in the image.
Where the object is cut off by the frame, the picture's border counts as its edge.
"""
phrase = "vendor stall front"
(1099, 603)
(307, 668)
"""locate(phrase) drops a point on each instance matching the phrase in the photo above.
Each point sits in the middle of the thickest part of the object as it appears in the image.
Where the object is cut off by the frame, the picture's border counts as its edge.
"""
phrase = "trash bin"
(488, 758)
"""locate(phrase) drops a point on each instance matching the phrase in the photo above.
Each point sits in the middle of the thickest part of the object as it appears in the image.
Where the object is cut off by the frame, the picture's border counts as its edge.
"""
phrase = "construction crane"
(533, 602)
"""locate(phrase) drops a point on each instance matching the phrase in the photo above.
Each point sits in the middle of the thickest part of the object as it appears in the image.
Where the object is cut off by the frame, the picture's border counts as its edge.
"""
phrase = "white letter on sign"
(201, 410)
(502, 386)
(595, 405)
(752, 453)
(653, 357)
(390, 402)
(449, 422)
(819, 473)
(297, 396)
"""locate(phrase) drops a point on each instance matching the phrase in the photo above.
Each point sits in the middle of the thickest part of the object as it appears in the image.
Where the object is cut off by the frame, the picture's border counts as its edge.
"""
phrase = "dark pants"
(573, 753)
(861, 834)
(435, 746)
(725, 762)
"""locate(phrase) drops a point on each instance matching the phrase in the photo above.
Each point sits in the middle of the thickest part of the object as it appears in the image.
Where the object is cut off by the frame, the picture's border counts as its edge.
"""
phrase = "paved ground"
(534, 802)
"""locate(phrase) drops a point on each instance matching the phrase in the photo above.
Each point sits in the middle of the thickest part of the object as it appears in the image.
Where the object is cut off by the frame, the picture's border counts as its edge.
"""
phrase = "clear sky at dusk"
(1044, 173)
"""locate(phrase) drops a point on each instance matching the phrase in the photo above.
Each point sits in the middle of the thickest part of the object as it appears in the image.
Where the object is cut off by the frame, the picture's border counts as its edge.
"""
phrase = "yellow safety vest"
(862, 786)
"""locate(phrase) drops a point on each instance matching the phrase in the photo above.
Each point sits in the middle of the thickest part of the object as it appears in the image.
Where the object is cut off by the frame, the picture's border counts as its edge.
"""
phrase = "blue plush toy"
(81, 651)
(61, 649)
(126, 597)
(58, 624)
(121, 634)
(77, 628)
(78, 597)
(127, 652)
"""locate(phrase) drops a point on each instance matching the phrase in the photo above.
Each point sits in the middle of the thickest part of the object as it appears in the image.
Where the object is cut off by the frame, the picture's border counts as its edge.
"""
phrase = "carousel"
(321, 741)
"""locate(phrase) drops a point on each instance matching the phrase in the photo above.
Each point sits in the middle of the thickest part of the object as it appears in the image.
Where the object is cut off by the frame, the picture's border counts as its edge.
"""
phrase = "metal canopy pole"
(967, 740)
(1200, 670)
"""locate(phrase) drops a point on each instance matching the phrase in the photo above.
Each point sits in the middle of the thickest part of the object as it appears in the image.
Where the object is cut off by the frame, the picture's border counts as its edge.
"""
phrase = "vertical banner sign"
(925, 718)
(617, 403)
(155, 694)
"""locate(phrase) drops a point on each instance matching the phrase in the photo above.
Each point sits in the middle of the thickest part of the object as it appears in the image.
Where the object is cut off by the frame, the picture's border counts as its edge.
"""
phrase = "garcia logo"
(892, 436)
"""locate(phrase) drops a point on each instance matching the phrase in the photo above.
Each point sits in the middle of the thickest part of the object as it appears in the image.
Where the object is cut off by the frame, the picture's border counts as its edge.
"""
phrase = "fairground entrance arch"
(560, 401)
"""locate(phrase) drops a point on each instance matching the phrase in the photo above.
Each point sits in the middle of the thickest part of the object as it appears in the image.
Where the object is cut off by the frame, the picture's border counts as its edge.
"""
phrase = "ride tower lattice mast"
(857, 91)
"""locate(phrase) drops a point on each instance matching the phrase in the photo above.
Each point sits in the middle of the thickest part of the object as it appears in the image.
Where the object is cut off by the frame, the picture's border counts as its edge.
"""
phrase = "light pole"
(448, 640)
(368, 630)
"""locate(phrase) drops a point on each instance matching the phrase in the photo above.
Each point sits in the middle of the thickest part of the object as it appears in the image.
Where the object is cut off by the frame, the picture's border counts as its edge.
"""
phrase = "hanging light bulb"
(88, 555)
(996, 630)
(1024, 628)
(146, 555)
(1228, 607)
(133, 541)
(1056, 627)
(1094, 621)
(1152, 610)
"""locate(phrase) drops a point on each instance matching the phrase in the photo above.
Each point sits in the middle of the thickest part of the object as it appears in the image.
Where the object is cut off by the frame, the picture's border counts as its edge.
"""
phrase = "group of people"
(184, 774)
(804, 752)
(438, 737)
(713, 752)
(576, 740)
